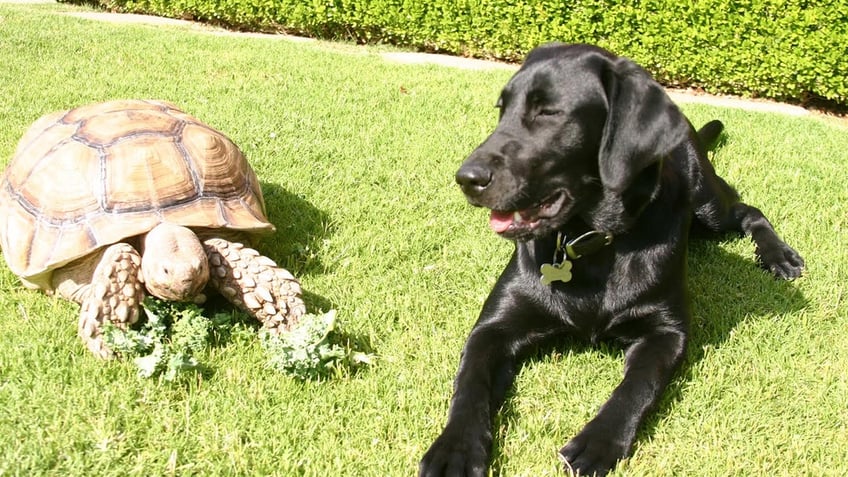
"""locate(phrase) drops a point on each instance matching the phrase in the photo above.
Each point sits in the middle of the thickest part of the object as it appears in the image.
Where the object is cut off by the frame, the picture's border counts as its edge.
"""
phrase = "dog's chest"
(600, 288)
(580, 303)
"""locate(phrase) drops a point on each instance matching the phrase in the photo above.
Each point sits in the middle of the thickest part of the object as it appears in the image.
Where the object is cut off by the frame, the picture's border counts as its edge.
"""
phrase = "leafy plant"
(313, 349)
(167, 342)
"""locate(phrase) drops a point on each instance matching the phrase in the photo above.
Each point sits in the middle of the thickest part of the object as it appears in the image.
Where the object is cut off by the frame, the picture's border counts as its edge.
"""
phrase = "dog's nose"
(473, 178)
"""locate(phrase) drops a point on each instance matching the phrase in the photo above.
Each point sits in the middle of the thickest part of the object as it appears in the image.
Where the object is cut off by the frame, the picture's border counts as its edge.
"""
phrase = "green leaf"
(312, 350)
(150, 364)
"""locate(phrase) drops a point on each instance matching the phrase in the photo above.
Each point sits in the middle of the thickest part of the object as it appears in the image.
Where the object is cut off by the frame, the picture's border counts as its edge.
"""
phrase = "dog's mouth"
(516, 223)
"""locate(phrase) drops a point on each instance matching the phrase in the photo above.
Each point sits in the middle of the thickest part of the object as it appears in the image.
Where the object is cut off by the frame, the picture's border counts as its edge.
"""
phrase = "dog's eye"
(549, 112)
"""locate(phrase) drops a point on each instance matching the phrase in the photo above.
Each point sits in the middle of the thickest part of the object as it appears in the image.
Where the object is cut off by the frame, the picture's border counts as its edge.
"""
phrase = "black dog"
(597, 176)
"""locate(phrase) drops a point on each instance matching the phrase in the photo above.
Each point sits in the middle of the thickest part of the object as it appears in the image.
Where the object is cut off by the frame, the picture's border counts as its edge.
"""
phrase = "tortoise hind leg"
(114, 295)
(255, 284)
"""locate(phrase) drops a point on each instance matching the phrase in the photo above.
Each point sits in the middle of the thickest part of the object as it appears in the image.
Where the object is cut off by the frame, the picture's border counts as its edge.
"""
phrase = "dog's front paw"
(781, 260)
(455, 455)
(592, 453)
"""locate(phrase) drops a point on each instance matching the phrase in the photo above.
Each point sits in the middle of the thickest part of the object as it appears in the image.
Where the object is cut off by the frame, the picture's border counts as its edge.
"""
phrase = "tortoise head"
(173, 263)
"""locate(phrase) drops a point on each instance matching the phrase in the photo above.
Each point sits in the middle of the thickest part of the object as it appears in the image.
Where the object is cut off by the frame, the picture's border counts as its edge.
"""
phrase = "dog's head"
(582, 133)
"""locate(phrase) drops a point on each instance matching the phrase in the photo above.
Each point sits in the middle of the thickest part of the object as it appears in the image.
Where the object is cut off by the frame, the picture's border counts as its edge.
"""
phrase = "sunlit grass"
(357, 158)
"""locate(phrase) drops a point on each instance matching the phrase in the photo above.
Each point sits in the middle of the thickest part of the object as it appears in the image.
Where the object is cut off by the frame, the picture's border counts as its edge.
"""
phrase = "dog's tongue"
(500, 221)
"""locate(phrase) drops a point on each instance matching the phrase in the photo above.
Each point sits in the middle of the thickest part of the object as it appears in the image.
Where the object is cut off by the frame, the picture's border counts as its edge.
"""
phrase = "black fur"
(589, 141)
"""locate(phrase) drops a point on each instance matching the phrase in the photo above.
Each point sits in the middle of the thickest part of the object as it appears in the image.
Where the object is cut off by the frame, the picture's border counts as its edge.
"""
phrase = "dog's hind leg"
(719, 210)
(773, 253)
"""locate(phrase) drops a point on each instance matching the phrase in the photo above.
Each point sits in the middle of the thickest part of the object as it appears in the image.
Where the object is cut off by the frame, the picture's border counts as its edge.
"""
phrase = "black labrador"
(597, 177)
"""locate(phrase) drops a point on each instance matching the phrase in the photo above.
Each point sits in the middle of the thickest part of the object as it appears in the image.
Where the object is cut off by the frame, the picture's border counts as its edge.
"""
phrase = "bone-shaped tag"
(556, 271)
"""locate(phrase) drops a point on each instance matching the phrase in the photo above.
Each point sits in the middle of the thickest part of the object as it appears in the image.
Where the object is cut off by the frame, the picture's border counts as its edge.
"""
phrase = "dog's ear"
(643, 125)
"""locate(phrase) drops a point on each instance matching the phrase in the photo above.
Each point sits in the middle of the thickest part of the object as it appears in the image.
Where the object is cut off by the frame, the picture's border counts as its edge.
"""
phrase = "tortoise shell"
(102, 173)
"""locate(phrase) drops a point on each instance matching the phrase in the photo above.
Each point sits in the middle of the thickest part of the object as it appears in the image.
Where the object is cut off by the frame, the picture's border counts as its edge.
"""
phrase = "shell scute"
(53, 136)
(91, 110)
(78, 166)
(39, 128)
(118, 126)
(220, 174)
(154, 173)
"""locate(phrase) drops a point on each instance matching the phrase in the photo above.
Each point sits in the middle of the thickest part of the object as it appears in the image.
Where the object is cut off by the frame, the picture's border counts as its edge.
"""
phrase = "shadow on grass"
(301, 229)
(720, 302)
(295, 246)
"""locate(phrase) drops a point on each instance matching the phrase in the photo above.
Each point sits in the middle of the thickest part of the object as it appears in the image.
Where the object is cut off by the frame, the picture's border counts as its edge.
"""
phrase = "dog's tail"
(710, 132)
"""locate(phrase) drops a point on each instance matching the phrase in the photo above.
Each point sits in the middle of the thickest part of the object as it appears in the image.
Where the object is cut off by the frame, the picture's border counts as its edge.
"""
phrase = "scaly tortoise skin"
(104, 203)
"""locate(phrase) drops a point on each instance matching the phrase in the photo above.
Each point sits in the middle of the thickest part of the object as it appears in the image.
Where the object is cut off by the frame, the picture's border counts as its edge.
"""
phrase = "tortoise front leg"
(255, 284)
(114, 295)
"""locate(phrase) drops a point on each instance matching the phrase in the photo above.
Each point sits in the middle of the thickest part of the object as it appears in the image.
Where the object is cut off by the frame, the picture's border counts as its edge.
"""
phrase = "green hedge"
(783, 49)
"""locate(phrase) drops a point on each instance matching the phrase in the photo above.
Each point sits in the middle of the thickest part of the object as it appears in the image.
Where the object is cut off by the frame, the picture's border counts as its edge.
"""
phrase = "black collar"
(588, 243)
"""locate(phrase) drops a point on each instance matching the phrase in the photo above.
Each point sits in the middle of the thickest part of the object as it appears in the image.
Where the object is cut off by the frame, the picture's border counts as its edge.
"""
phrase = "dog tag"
(556, 272)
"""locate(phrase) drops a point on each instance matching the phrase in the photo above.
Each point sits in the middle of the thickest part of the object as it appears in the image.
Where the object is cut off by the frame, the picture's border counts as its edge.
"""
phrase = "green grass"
(357, 159)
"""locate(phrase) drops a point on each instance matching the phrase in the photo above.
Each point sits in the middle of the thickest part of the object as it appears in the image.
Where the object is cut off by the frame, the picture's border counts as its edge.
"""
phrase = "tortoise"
(105, 203)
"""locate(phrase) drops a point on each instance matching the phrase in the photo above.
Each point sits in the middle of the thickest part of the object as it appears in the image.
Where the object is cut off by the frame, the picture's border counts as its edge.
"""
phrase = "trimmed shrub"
(793, 50)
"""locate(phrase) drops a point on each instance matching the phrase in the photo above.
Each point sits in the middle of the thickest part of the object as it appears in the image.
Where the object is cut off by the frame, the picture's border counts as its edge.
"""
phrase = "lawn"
(356, 157)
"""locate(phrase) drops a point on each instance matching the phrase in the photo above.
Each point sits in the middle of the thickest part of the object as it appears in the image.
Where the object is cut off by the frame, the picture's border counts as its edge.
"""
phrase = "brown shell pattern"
(99, 174)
